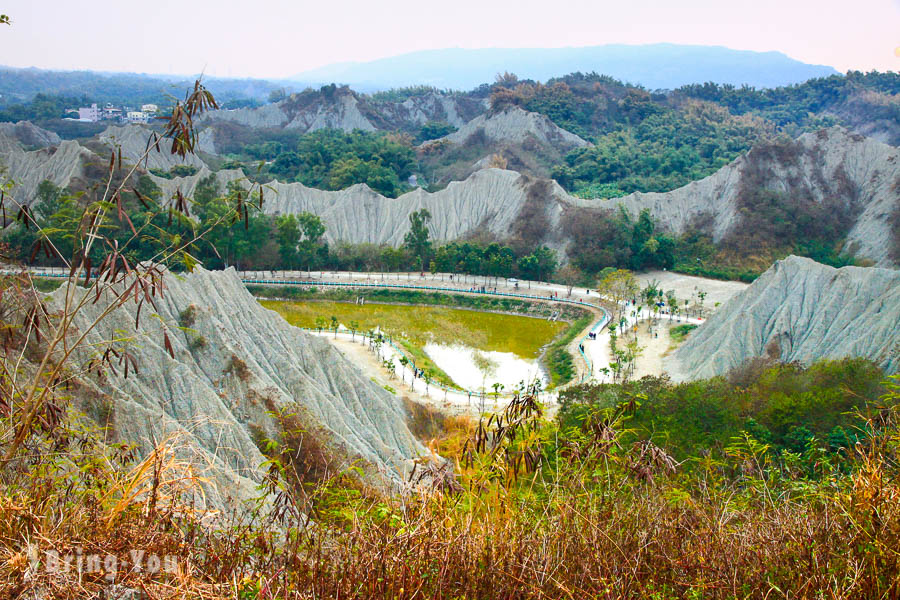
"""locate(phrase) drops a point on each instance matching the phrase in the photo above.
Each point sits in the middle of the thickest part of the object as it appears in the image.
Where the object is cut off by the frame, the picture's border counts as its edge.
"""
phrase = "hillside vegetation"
(657, 141)
(771, 482)
(163, 435)
(334, 138)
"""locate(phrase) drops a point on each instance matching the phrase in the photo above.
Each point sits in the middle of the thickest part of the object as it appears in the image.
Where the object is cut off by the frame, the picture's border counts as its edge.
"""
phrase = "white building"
(92, 113)
(112, 113)
(135, 116)
(149, 109)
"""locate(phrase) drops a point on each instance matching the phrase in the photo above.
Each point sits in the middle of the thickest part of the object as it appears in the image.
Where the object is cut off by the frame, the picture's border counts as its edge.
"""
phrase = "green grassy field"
(523, 336)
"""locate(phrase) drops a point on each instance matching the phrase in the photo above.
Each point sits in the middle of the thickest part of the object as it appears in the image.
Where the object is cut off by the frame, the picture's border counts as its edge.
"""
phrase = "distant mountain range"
(654, 66)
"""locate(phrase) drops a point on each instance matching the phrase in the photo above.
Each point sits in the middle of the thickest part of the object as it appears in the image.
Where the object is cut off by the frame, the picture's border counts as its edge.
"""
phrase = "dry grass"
(583, 517)
(96, 501)
(443, 434)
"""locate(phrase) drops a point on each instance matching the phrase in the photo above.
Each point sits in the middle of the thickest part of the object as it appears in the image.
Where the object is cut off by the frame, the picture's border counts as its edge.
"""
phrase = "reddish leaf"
(137, 316)
(87, 270)
(34, 250)
(168, 344)
(130, 224)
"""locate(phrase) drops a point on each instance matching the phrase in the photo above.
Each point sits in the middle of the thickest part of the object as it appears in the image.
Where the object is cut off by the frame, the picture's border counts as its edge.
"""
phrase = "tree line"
(263, 241)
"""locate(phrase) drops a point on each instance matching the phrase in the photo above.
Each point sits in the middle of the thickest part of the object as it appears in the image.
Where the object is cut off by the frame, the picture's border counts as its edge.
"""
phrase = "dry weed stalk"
(33, 394)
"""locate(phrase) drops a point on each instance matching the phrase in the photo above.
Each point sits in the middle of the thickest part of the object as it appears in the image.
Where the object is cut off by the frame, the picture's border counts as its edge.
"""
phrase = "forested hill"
(599, 138)
(639, 141)
(22, 85)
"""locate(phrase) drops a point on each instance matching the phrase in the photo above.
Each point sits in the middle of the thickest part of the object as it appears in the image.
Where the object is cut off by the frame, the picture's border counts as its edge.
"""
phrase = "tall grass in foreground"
(536, 513)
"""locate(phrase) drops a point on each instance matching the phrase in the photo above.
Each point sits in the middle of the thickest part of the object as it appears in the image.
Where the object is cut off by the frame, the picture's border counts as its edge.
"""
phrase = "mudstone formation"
(235, 364)
(828, 163)
(347, 111)
(515, 125)
(799, 310)
(831, 165)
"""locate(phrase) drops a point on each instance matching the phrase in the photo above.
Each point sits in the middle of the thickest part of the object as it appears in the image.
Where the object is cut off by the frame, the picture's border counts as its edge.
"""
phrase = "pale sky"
(279, 38)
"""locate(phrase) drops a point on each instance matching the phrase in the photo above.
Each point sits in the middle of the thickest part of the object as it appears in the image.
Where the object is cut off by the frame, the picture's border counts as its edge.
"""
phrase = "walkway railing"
(604, 320)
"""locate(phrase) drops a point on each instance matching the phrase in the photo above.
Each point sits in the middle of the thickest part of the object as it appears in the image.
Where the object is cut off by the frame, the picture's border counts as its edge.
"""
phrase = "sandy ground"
(364, 359)
(650, 360)
(656, 348)
(685, 286)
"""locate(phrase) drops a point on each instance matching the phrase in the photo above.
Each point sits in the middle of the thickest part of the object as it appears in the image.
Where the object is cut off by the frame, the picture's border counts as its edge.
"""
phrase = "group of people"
(483, 289)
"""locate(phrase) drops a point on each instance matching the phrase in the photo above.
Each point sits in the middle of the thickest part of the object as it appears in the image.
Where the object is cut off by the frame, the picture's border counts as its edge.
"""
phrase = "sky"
(280, 38)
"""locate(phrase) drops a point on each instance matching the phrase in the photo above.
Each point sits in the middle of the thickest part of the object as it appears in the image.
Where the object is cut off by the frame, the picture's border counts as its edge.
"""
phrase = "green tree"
(417, 239)
(618, 286)
(392, 258)
(404, 362)
(333, 159)
(312, 226)
(287, 165)
(321, 323)
(234, 242)
(545, 262)
(47, 201)
(528, 266)
(289, 236)
(310, 250)
(433, 130)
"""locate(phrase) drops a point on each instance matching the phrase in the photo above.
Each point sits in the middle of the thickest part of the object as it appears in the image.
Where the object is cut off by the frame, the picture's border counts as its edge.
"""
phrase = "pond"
(473, 369)
(435, 337)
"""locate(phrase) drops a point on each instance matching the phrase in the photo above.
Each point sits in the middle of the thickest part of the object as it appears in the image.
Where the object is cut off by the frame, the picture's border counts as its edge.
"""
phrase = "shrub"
(679, 332)
(197, 342)
(237, 367)
(187, 317)
(557, 359)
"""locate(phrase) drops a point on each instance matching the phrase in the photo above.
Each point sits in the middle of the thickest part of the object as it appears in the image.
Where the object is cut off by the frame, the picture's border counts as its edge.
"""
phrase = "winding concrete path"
(459, 284)
(594, 354)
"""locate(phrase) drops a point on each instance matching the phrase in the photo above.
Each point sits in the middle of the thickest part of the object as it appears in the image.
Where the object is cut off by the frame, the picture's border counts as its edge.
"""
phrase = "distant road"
(448, 281)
